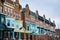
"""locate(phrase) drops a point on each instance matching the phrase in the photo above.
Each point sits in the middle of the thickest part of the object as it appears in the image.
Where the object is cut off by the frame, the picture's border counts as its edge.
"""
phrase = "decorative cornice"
(9, 5)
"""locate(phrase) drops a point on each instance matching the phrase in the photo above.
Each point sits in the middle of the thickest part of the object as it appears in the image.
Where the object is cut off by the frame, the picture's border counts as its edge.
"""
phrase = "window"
(12, 22)
(32, 28)
(2, 20)
(21, 24)
(24, 11)
(9, 12)
(38, 30)
(42, 31)
(8, 24)
(27, 26)
(32, 19)
(16, 15)
(0, 9)
(17, 26)
(5, 9)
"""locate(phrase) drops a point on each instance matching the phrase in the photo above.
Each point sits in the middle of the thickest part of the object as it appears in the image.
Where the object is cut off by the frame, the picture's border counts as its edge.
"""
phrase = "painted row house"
(36, 24)
(11, 25)
(17, 23)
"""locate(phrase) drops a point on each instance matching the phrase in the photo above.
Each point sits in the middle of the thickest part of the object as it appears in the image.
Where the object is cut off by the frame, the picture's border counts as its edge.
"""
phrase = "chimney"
(49, 20)
(17, 1)
(27, 6)
(44, 17)
(37, 12)
(54, 22)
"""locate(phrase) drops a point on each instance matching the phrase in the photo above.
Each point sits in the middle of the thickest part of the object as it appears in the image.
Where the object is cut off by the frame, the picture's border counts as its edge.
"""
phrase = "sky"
(51, 8)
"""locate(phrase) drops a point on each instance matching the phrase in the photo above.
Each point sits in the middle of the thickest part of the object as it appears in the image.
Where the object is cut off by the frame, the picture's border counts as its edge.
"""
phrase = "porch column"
(13, 34)
(19, 35)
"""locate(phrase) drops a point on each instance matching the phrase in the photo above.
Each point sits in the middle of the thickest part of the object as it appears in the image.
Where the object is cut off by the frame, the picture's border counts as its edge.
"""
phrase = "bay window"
(10, 22)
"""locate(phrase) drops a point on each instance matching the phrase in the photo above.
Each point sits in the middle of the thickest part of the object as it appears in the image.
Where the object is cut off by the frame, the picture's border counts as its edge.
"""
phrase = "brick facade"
(28, 16)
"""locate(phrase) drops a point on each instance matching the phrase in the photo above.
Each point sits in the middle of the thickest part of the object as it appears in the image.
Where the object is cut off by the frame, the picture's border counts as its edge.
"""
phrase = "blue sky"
(51, 8)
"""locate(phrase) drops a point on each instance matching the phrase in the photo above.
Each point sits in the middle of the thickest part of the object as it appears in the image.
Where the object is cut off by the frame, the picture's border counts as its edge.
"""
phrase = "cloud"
(51, 8)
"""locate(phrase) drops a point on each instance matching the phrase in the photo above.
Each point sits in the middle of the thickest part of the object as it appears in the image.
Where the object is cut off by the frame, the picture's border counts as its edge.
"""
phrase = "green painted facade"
(33, 14)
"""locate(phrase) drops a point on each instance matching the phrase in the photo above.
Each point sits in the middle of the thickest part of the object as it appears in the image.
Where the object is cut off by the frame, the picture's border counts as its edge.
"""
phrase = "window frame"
(16, 15)
(1, 9)
(9, 12)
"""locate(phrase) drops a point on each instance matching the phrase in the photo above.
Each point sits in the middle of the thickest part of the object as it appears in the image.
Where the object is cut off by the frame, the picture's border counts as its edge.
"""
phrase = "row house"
(11, 23)
(22, 24)
(36, 24)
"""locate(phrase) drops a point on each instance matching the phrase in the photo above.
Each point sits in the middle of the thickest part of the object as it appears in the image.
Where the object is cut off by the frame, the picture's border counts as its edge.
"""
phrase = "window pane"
(16, 15)
(2, 20)
(0, 9)
(22, 35)
(8, 24)
(9, 12)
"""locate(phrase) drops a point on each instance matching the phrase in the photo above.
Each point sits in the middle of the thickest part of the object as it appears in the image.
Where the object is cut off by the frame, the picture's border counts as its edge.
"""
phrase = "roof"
(32, 14)
(40, 18)
(47, 21)
(52, 24)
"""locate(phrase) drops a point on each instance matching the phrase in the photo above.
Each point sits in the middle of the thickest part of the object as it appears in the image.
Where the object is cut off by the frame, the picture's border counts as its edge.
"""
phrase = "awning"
(23, 30)
(2, 27)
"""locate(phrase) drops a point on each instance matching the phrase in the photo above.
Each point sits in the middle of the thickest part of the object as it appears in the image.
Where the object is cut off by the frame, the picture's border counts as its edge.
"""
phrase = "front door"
(1, 35)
